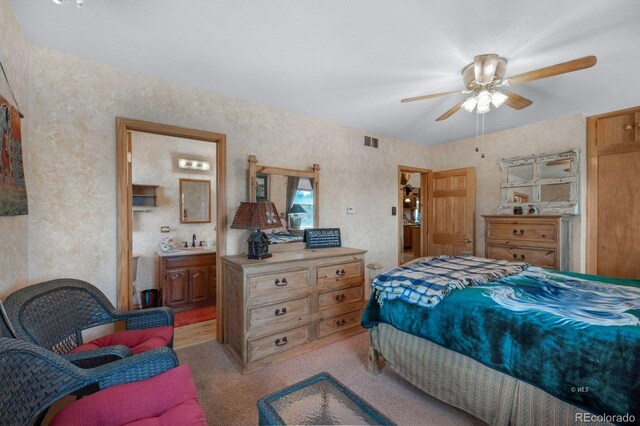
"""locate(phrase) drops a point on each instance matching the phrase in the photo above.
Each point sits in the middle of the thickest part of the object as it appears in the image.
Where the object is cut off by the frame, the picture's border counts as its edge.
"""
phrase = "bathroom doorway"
(171, 216)
(412, 230)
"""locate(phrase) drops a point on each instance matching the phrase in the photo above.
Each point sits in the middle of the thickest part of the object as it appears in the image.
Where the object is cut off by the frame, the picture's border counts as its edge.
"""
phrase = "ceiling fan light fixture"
(483, 108)
(484, 98)
(498, 99)
(470, 104)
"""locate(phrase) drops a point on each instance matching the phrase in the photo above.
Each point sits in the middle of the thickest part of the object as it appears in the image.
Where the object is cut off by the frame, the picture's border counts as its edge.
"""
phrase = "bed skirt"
(493, 397)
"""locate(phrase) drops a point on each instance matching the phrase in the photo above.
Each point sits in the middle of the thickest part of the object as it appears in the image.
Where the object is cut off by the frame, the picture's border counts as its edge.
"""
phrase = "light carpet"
(229, 398)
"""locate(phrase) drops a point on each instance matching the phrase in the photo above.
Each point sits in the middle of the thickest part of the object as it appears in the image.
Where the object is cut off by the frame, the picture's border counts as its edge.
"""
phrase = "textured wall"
(546, 137)
(74, 104)
(14, 54)
(155, 162)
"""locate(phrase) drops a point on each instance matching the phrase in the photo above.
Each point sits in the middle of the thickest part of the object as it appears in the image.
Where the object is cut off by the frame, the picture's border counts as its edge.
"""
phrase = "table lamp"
(257, 216)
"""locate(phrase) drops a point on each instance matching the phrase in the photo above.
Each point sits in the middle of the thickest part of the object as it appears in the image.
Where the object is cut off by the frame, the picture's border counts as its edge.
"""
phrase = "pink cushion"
(136, 340)
(167, 399)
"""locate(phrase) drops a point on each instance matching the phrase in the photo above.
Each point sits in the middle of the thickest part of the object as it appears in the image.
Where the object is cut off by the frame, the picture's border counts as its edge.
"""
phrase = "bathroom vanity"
(188, 278)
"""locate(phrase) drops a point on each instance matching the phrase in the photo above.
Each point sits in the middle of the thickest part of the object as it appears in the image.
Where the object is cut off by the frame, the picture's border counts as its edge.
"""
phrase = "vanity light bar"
(184, 163)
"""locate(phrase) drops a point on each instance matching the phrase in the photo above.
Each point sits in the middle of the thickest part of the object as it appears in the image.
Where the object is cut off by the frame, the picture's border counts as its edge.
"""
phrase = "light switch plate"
(165, 229)
(351, 210)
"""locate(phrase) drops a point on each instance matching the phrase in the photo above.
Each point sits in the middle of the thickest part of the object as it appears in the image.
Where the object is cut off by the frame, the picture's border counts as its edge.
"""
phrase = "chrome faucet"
(193, 241)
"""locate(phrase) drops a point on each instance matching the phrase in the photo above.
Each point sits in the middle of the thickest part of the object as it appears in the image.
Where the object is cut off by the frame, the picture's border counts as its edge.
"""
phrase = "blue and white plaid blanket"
(428, 281)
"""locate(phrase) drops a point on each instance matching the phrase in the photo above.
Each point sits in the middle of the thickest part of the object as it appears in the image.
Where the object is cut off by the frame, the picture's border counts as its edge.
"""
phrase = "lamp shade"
(260, 215)
(297, 209)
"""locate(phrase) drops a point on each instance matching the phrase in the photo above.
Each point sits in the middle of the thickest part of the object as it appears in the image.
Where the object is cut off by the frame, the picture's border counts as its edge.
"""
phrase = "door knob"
(628, 127)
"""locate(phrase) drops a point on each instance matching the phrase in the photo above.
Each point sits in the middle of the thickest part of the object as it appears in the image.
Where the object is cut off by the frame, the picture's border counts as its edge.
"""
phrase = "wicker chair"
(54, 313)
(5, 327)
(33, 378)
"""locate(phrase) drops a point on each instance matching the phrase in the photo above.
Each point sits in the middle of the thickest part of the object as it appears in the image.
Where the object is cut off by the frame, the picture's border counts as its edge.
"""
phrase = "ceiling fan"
(484, 81)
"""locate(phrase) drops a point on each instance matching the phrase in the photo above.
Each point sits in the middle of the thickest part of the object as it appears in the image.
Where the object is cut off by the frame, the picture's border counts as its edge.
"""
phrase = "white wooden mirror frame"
(542, 207)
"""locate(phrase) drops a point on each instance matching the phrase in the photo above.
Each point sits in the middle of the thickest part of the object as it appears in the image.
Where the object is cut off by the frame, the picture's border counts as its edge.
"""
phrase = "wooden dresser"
(291, 303)
(541, 240)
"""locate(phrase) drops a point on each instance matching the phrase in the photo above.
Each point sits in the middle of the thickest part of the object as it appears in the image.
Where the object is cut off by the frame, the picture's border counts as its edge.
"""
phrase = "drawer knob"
(340, 272)
(340, 297)
(280, 283)
(281, 342)
(515, 256)
(281, 312)
(341, 322)
(522, 256)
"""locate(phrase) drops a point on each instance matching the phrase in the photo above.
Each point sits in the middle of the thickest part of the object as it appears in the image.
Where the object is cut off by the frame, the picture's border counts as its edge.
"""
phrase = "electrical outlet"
(165, 229)
(393, 211)
(351, 210)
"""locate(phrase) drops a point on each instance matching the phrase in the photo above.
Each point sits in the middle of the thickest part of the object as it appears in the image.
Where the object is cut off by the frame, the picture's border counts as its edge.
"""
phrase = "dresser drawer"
(545, 258)
(515, 232)
(340, 297)
(285, 314)
(278, 284)
(277, 343)
(338, 323)
(338, 273)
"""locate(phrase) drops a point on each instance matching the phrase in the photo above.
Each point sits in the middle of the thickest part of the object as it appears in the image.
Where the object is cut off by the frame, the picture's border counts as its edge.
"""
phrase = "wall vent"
(369, 141)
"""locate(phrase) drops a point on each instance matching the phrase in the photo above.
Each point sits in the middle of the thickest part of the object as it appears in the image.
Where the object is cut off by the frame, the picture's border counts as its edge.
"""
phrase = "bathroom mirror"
(195, 201)
(294, 194)
(548, 183)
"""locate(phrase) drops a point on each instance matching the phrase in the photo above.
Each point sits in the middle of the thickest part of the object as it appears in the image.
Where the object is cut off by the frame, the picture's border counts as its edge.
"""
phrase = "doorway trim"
(124, 202)
(424, 173)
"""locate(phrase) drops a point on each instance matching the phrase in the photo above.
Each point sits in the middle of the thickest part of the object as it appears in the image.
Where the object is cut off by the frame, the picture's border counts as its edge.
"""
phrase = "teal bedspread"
(575, 336)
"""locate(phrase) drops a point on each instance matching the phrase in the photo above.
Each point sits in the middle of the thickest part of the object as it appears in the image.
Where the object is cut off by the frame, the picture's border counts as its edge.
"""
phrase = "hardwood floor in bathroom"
(194, 334)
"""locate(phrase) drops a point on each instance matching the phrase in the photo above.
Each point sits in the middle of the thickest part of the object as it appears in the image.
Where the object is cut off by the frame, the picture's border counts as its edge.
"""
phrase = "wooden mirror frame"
(314, 174)
(180, 201)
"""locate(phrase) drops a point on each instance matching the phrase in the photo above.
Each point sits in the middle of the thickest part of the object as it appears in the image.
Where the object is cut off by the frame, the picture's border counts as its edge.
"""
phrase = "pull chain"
(477, 147)
(482, 142)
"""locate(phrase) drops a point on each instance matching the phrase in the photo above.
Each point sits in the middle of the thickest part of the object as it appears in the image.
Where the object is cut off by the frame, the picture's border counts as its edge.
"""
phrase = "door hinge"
(128, 157)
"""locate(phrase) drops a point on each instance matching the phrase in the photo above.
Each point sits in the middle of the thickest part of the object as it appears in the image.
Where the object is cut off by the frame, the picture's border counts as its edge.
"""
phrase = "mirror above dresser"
(540, 184)
(294, 194)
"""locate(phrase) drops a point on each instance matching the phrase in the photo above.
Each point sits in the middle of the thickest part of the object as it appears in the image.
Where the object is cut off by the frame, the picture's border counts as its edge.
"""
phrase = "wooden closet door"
(619, 215)
(451, 199)
(613, 194)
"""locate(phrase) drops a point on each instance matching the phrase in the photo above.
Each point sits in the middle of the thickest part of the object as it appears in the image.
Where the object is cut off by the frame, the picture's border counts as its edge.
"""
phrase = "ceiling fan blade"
(452, 111)
(435, 95)
(516, 101)
(565, 67)
(484, 68)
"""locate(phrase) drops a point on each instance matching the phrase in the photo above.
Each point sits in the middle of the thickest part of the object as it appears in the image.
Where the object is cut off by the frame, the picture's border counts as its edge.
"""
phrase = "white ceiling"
(352, 61)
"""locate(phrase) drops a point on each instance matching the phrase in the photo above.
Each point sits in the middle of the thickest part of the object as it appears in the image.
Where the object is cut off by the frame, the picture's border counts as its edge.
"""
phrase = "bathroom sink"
(193, 248)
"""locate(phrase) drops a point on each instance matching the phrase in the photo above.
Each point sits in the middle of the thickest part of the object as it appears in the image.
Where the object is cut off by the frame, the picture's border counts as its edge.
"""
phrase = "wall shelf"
(144, 195)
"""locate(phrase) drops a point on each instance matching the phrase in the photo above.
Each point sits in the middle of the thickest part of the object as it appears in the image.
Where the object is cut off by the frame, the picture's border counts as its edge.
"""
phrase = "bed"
(527, 346)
